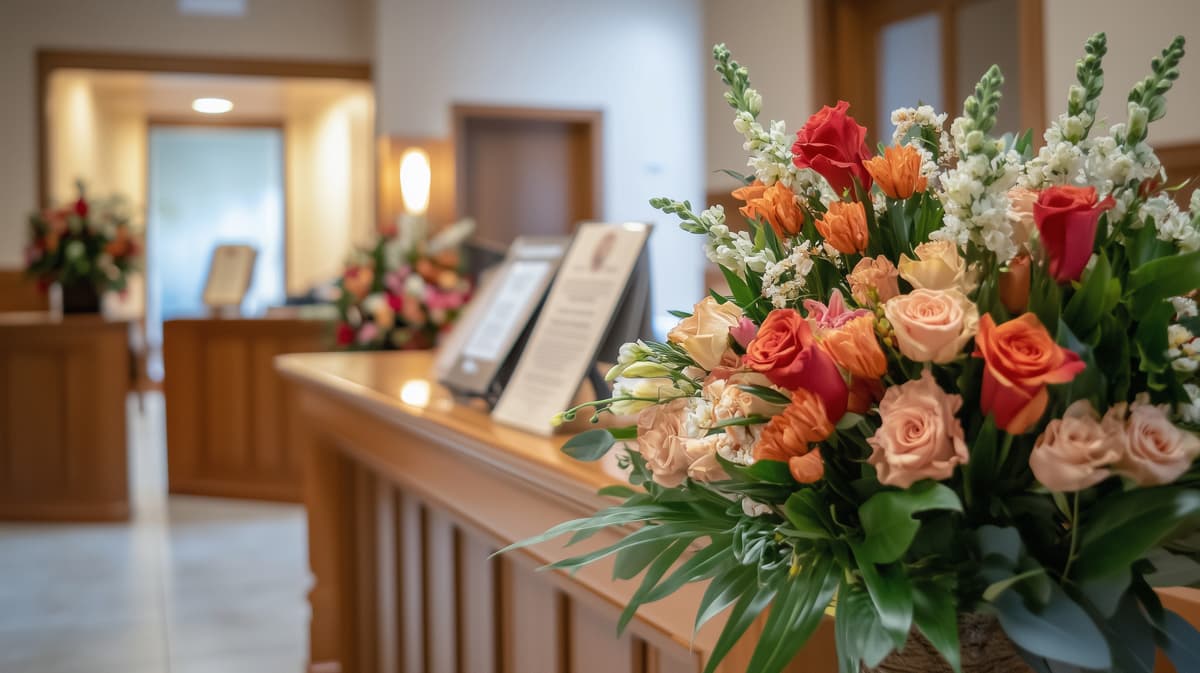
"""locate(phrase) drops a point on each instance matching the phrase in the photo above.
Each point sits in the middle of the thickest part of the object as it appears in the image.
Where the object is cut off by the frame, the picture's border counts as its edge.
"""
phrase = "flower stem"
(1074, 535)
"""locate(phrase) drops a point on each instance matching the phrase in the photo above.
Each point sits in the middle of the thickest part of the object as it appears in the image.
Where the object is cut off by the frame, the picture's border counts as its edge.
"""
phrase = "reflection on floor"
(191, 585)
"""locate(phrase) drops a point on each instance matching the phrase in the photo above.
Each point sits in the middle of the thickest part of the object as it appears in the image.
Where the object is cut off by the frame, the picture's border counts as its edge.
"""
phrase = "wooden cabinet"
(227, 430)
(63, 384)
(409, 494)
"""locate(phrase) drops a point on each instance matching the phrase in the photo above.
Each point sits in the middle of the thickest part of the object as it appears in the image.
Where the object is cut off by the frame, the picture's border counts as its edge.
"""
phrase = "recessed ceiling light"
(212, 106)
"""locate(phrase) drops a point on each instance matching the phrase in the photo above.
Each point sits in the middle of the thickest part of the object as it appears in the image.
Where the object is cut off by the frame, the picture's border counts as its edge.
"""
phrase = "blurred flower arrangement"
(87, 243)
(405, 289)
(954, 379)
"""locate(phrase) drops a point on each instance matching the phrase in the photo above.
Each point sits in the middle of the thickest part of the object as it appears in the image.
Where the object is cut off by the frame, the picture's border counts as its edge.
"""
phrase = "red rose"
(345, 334)
(786, 352)
(395, 301)
(1066, 218)
(81, 207)
(1021, 359)
(834, 145)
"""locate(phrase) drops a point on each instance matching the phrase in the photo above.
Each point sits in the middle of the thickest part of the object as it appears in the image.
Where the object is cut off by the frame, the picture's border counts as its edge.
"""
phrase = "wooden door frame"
(50, 60)
(463, 113)
(846, 62)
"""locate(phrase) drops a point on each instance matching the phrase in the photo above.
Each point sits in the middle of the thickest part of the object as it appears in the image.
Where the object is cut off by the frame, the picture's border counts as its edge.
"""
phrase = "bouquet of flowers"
(86, 243)
(953, 380)
(404, 290)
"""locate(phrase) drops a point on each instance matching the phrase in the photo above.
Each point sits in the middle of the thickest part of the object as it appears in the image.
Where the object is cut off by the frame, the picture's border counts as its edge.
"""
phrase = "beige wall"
(773, 38)
(642, 62)
(1137, 32)
(300, 29)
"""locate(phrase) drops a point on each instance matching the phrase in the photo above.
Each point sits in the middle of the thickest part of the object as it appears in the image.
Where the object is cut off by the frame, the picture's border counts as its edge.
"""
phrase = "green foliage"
(589, 445)
(1085, 96)
(888, 523)
(981, 106)
(1148, 97)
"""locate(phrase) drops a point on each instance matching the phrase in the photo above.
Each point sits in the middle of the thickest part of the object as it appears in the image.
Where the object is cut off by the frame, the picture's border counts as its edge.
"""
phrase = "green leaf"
(701, 565)
(654, 573)
(1151, 336)
(860, 635)
(1062, 631)
(888, 523)
(795, 614)
(753, 419)
(723, 591)
(1162, 278)
(741, 291)
(647, 535)
(589, 445)
(616, 491)
(632, 560)
(679, 314)
(892, 593)
(743, 614)
(759, 472)
(1089, 384)
(935, 614)
(1124, 527)
(617, 515)
(1088, 305)
(804, 513)
(744, 179)
(624, 434)
(996, 588)
(769, 395)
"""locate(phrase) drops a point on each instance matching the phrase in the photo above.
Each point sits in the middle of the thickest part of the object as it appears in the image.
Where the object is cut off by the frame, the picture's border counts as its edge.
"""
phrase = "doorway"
(527, 171)
(211, 185)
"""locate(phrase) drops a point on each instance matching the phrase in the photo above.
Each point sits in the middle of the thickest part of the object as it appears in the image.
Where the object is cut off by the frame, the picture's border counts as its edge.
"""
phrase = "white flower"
(1185, 307)
(1177, 335)
(645, 391)
(1189, 412)
(784, 281)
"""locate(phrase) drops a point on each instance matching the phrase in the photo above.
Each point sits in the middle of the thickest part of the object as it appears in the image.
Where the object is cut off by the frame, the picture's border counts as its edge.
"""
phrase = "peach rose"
(920, 437)
(660, 441)
(897, 171)
(776, 205)
(873, 281)
(705, 334)
(1156, 452)
(844, 226)
(855, 348)
(932, 325)
(702, 456)
(1020, 214)
(938, 267)
(1074, 452)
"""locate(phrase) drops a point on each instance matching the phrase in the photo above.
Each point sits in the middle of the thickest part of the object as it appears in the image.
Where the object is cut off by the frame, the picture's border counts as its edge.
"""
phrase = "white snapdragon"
(1189, 412)
(1185, 307)
(1183, 349)
(784, 281)
(771, 158)
(733, 250)
(975, 193)
(1061, 160)
(1170, 223)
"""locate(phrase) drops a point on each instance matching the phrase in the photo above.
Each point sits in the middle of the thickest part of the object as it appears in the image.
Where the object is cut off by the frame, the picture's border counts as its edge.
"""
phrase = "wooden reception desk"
(63, 384)
(227, 430)
(408, 493)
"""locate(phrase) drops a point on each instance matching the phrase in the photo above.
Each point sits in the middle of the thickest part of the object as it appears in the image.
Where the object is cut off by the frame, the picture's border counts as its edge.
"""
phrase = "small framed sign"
(485, 340)
(591, 288)
(229, 276)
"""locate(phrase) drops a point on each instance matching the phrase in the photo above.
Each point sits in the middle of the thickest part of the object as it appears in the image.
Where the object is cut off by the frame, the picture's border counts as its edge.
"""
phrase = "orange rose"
(1014, 285)
(898, 171)
(788, 436)
(786, 352)
(873, 281)
(844, 226)
(776, 205)
(1020, 360)
(856, 349)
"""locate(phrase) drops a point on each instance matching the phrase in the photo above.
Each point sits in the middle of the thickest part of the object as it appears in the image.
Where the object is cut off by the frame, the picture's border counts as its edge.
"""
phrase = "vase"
(984, 646)
(80, 298)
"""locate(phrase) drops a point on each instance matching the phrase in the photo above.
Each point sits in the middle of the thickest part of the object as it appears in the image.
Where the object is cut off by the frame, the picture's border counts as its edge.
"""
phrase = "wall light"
(212, 106)
(414, 180)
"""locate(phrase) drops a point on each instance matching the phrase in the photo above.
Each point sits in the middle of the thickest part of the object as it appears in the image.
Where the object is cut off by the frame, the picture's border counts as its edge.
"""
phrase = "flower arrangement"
(404, 290)
(88, 243)
(952, 378)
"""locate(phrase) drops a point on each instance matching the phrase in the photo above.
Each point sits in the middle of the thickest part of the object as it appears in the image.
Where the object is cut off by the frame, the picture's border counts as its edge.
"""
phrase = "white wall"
(1137, 32)
(642, 62)
(301, 29)
(773, 38)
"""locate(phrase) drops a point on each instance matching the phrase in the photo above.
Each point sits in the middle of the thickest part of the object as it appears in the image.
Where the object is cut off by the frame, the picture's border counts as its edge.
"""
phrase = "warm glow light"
(212, 106)
(414, 180)
(415, 393)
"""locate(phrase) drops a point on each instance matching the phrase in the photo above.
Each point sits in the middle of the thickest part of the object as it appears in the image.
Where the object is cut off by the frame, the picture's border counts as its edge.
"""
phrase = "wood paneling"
(532, 171)
(63, 384)
(19, 293)
(227, 428)
(1182, 162)
(407, 504)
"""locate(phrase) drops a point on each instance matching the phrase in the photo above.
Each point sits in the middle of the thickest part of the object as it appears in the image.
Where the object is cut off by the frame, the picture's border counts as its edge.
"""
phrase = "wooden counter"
(227, 430)
(409, 493)
(63, 384)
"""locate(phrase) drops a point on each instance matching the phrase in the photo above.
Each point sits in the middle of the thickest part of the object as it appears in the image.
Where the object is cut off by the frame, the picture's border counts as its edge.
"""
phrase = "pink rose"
(920, 437)
(1074, 452)
(932, 325)
(661, 441)
(1156, 451)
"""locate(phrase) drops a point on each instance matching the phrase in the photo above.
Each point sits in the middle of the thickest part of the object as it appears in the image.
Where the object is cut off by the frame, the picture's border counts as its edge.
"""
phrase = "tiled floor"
(191, 585)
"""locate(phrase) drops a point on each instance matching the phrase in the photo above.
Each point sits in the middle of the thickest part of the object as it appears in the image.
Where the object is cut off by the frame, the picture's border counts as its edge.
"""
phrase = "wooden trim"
(951, 96)
(1031, 47)
(216, 122)
(462, 113)
(49, 60)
